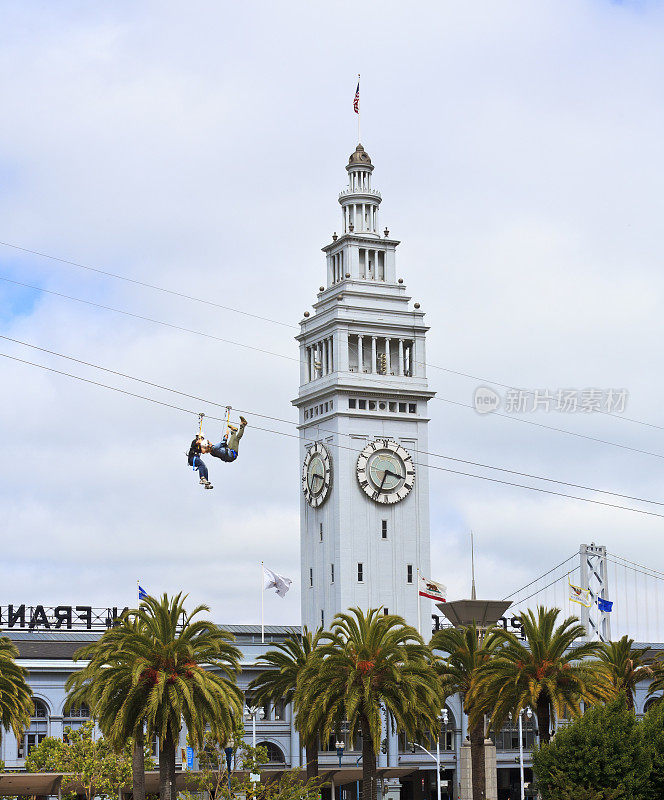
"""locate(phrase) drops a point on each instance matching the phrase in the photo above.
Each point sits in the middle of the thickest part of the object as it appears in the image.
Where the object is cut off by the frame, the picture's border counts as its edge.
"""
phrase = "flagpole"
(419, 604)
(262, 604)
(359, 138)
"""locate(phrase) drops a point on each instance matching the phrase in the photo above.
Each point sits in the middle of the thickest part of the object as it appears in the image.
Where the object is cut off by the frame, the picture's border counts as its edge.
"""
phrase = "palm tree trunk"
(477, 761)
(369, 782)
(167, 790)
(544, 719)
(311, 756)
(138, 766)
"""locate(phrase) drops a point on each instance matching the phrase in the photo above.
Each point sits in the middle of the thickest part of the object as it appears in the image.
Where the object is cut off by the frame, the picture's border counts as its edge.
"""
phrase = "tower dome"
(359, 156)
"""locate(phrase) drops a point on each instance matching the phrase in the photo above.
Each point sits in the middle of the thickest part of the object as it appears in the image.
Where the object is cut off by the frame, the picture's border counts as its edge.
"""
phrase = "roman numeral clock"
(385, 471)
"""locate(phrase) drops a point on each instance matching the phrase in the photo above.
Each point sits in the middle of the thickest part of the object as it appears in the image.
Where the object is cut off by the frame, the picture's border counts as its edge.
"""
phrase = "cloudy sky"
(201, 146)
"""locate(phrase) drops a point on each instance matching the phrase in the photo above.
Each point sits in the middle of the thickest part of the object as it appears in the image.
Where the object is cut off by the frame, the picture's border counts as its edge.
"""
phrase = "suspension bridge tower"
(363, 414)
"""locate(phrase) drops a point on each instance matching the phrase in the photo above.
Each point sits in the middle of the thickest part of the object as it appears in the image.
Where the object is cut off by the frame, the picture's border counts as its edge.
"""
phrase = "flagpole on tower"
(262, 603)
(419, 604)
(356, 107)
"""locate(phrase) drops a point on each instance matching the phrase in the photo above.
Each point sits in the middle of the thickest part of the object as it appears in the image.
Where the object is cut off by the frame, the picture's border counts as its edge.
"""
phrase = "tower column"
(400, 367)
(331, 346)
(310, 362)
(388, 356)
(373, 354)
(360, 354)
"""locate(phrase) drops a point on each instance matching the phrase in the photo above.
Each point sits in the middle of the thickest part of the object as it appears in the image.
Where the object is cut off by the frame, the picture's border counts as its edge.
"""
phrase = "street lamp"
(436, 758)
(529, 713)
(253, 712)
(340, 750)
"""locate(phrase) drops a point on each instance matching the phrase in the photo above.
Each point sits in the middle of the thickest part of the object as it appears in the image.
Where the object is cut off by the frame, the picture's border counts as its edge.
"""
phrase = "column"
(324, 362)
(331, 341)
(400, 368)
(413, 365)
(373, 354)
(308, 352)
(388, 355)
(360, 354)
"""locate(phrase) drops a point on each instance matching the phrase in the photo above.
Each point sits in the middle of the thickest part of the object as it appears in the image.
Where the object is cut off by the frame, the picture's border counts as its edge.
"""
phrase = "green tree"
(653, 734)
(95, 763)
(279, 681)
(15, 696)
(466, 649)
(546, 671)
(104, 684)
(368, 662)
(624, 666)
(180, 668)
(603, 751)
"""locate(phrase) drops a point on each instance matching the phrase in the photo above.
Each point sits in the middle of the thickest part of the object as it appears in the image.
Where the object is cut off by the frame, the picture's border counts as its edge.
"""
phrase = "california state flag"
(432, 589)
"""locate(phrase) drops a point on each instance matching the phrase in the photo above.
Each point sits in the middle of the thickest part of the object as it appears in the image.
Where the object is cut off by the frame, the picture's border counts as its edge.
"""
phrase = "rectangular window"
(320, 531)
(362, 404)
(322, 618)
(386, 611)
(412, 408)
(409, 573)
(360, 571)
(402, 408)
(332, 573)
(311, 577)
(393, 406)
(352, 402)
(383, 530)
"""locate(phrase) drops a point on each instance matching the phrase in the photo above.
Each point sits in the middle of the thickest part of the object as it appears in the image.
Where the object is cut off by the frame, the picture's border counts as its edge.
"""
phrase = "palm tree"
(286, 662)
(625, 666)
(467, 648)
(368, 661)
(104, 684)
(15, 696)
(546, 671)
(160, 659)
(657, 683)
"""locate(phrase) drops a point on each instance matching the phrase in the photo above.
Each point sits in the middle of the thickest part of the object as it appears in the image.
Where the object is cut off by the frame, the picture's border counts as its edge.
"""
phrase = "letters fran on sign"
(65, 618)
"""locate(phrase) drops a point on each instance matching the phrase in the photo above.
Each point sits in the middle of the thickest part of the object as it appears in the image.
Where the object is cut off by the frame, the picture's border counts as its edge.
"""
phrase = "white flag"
(579, 595)
(273, 581)
(432, 589)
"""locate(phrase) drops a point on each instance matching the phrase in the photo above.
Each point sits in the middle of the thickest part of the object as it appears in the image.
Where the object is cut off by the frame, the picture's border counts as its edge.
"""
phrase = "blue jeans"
(199, 464)
(223, 451)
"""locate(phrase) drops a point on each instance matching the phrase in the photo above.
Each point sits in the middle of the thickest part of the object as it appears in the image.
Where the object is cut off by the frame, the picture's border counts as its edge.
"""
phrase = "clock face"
(317, 475)
(385, 471)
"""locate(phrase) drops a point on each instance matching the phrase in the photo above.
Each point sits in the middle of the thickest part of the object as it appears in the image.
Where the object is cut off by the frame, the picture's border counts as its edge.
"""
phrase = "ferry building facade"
(363, 416)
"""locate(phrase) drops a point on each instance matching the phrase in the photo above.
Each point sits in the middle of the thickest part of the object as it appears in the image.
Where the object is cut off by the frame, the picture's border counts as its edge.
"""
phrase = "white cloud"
(518, 150)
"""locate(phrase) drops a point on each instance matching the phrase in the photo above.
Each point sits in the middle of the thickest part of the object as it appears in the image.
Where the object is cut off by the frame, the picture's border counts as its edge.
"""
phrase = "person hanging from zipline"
(226, 450)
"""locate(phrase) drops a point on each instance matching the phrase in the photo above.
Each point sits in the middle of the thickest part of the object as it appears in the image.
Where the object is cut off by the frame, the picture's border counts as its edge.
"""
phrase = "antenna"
(473, 593)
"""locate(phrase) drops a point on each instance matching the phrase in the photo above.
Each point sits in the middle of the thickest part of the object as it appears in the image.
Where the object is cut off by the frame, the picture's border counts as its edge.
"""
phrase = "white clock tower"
(363, 398)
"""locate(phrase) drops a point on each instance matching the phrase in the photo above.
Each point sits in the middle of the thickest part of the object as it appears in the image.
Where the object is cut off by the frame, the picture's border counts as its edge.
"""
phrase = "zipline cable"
(291, 358)
(149, 319)
(340, 446)
(193, 298)
(326, 430)
(146, 285)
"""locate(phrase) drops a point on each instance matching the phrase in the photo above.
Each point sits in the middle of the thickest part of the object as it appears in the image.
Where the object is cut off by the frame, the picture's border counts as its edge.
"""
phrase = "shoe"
(232, 428)
(243, 421)
(203, 481)
(208, 485)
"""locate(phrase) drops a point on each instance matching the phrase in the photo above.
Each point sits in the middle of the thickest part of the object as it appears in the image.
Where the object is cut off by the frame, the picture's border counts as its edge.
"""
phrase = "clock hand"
(393, 474)
(380, 489)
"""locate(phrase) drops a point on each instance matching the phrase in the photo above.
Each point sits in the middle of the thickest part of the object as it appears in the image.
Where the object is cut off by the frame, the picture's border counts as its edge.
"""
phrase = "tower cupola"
(359, 202)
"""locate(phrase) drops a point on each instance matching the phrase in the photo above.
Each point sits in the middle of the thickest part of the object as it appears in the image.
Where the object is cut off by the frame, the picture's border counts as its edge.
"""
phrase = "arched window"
(650, 703)
(76, 716)
(275, 754)
(37, 731)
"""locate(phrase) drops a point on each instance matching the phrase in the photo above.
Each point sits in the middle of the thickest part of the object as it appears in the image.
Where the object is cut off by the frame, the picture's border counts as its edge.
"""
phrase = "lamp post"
(529, 714)
(436, 758)
(340, 750)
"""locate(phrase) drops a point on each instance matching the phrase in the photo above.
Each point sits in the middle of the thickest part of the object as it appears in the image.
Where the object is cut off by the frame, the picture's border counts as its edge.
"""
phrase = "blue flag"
(142, 594)
(604, 605)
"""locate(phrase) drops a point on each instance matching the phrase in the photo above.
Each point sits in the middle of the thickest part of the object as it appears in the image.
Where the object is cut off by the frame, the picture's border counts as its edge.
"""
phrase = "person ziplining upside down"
(226, 450)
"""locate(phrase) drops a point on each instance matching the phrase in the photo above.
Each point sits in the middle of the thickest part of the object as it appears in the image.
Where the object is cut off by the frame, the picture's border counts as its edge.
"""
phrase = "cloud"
(518, 150)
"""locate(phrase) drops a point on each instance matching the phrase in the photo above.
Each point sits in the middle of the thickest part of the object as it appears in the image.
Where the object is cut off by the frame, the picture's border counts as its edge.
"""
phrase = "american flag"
(356, 101)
